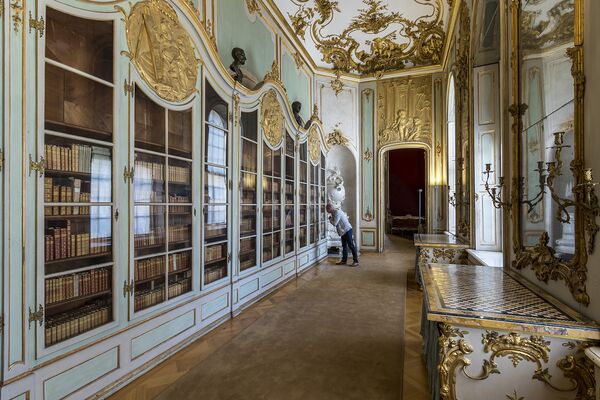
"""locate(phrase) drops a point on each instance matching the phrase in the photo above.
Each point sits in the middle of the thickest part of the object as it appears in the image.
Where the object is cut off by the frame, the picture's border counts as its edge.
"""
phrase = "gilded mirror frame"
(541, 257)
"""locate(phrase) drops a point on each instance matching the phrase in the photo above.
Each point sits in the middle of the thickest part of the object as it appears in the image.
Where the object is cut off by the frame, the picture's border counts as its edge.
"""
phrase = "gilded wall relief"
(272, 119)
(314, 145)
(391, 42)
(404, 110)
(161, 49)
(337, 138)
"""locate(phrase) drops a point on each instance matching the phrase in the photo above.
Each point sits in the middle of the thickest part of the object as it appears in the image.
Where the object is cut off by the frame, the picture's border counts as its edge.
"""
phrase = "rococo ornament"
(272, 121)
(337, 138)
(418, 42)
(314, 144)
(253, 7)
(368, 155)
(161, 49)
(337, 85)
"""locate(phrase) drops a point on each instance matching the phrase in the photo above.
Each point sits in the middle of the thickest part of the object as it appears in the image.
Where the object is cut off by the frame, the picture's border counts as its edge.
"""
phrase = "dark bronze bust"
(296, 107)
(239, 59)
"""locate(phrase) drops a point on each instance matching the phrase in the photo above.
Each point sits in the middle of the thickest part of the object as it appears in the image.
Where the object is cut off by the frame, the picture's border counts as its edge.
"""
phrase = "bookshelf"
(290, 191)
(303, 196)
(323, 211)
(314, 201)
(162, 203)
(248, 190)
(77, 183)
(272, 203)
(216, 188)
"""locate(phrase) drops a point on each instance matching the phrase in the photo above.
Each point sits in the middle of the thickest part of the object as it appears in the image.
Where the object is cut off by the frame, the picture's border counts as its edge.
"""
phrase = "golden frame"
(541, 258)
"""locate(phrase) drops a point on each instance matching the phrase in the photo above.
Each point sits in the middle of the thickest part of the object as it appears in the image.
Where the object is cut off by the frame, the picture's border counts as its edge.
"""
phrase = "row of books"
(213, 253)
(60, 244)
(154, 237)
(149, 268)
(174, 198)
(155, 172)
(148, 298)
(77, 285)
(180, 210)
(214, 274)
(70, 193)
(74, 157)
(247, 245)
(55, 211)
(180, 287)
(76, 322)
(245, 264)
(248, 224)
(180, 261)
(180, 233)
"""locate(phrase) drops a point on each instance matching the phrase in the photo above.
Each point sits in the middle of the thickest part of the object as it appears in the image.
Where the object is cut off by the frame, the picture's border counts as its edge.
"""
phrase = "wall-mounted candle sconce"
(495, 191)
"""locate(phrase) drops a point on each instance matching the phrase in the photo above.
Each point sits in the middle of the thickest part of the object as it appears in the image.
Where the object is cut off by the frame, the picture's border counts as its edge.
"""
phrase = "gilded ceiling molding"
(161, 49)
(272, 119)
(253, 7)
(423, 38)
(298, 60)
(337, 138)
(404, 110)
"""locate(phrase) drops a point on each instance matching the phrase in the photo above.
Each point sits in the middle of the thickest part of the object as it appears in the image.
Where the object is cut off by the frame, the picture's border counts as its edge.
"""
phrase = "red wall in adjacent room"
(406, 177)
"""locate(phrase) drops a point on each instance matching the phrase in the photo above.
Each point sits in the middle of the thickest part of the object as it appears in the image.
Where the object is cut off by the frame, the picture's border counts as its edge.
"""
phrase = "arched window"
(451, 129)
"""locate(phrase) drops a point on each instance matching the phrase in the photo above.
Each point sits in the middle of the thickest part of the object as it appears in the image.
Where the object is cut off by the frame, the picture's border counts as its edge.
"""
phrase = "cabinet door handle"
(117, 214)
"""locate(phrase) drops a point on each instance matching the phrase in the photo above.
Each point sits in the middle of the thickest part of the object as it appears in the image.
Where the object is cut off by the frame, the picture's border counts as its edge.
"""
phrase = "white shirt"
(339, 219)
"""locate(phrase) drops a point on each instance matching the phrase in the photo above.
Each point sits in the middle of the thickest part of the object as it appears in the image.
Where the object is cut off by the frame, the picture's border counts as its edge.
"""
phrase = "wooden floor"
(160, 382)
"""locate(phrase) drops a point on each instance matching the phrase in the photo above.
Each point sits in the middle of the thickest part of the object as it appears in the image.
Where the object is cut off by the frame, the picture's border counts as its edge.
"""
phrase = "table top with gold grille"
(494, 298)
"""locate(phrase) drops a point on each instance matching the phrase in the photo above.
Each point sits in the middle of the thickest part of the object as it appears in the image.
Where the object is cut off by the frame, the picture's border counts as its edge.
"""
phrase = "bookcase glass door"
(216, 186)
(323, 198)
(315, 172)
(290, 203)
(272, 203)
(248, 190)
(78, 168)
(303, 196)
(162, 202)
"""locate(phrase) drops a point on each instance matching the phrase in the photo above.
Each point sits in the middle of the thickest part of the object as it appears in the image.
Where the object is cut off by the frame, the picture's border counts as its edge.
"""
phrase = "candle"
(488, 167)
(540, 165)
(558, 138)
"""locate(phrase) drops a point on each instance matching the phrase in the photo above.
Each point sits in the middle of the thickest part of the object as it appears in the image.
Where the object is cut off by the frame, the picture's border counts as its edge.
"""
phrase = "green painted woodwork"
(272, 276)
(234, 29)
(289, 267)
(85, 373)
(368, 169)
(157, 336)
(296, 83)
(22, 396)
(214, 306)
(247, 289)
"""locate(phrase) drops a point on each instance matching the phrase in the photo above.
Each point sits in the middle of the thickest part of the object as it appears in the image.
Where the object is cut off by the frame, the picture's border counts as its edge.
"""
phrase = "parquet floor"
(160, 382)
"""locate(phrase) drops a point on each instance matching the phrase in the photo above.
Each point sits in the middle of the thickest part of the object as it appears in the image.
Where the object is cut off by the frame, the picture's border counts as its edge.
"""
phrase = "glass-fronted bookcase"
(135, 202)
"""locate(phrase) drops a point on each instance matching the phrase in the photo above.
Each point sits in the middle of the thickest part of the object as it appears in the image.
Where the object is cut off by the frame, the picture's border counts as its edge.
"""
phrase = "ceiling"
(369, 36)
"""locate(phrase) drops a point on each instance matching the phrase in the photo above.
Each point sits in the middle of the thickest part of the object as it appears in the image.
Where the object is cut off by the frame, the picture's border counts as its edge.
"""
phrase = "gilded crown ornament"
(272, 121)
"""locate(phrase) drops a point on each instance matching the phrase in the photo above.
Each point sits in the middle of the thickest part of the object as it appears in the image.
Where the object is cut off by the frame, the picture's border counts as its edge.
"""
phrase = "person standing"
(339, 219)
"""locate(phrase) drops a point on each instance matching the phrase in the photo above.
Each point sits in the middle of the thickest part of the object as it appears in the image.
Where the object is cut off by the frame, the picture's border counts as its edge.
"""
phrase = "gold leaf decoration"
(253, 7)
(314, 145)
(404, 112)
(161, 49)
(272, 120)
(422, 40)
(337, 138)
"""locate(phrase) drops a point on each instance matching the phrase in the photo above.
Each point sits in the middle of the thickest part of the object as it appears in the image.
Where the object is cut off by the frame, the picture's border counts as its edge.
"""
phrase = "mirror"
(547, 32)
(554, 205)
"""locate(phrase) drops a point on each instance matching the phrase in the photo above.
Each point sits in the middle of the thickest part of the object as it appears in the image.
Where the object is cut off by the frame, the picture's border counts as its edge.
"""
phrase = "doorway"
(405, 173)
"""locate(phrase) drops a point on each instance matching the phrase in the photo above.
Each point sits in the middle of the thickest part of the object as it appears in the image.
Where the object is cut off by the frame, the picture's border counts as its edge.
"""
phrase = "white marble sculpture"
(336, 194)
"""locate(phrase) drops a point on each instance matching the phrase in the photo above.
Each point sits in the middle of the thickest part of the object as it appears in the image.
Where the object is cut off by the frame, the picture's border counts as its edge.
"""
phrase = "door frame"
(382, 190)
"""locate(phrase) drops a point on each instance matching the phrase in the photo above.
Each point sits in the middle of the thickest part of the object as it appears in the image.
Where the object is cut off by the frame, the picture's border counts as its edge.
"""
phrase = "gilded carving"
(337, 138)
(368, 155)
(272, 120)
(337, 85)
(253, 7)
(404, 110)
(236, 115)
(298, 60)
(454, 350)
(314, 145)
(274, 75)
(17, 17)
(418, 42)
(161, 49)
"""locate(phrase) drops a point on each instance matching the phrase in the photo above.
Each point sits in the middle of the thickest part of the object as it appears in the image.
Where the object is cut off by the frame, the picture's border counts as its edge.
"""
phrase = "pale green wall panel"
(368, 171)
(289, 267)
(162, 333)
(212, 307)
(272, 276)
(296, 83)
(248, 288)
(22, 396)
(234, 29)
(75, 378)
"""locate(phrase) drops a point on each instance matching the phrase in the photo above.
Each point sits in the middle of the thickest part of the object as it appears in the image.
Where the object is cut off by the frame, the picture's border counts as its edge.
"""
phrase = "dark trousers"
(347, 241)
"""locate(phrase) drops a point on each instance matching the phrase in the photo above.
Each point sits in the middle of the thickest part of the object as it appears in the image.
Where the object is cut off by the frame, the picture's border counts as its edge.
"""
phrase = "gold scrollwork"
(337, 138)
(453, 355)
(418, 42)
(272, 120)
(17, 17)
(236, 115)
(161, 49)
(274, 75)
(337, 85)
(314, 145)
(368, 155)
(449, 255)
(253, 7)
(368, 215)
